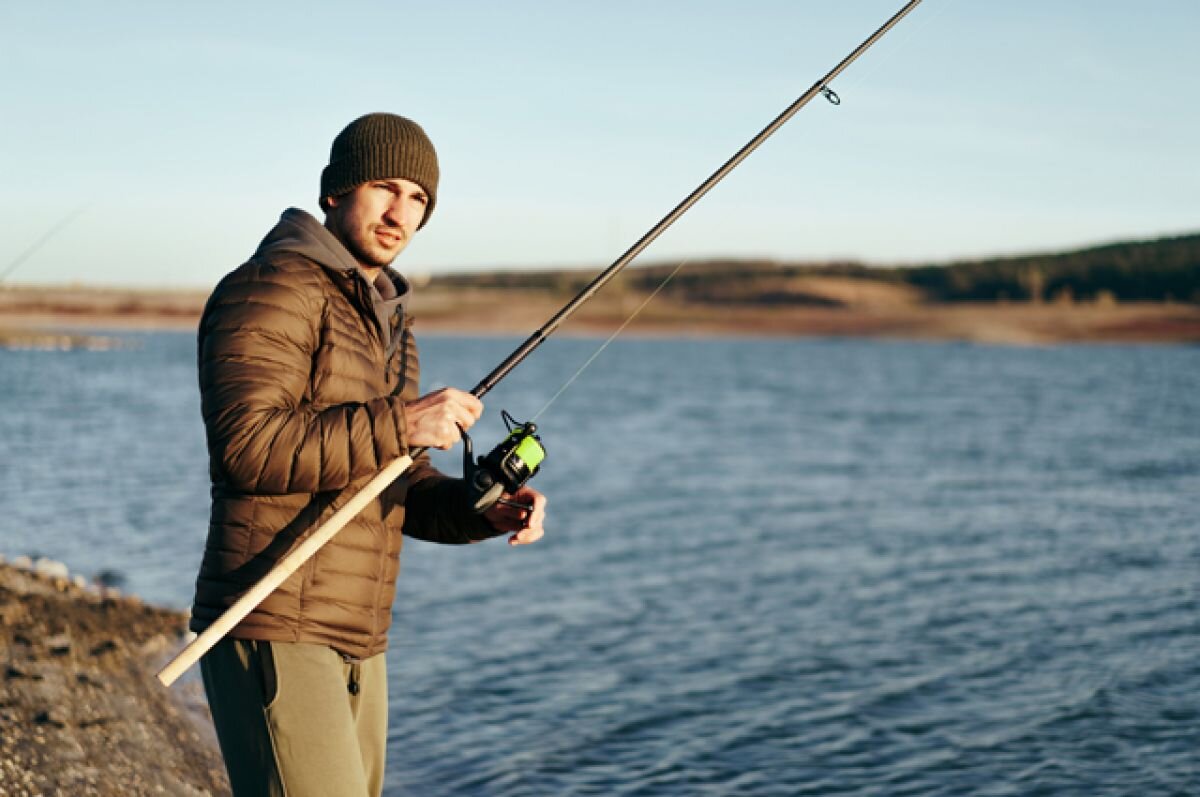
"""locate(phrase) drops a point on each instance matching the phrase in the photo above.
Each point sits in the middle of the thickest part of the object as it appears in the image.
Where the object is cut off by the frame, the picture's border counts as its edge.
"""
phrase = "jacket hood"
(298, 232)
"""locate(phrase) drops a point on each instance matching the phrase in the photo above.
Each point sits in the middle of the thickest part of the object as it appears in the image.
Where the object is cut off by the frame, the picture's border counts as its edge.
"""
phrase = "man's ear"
(327, 203)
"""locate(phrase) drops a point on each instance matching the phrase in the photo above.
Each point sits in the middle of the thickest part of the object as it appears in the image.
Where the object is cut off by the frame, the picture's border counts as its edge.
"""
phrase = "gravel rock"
(51, 569)
(81, 710)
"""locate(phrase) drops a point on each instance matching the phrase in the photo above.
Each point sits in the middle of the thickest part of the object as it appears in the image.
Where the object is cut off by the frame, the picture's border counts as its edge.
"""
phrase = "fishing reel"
(506, 468)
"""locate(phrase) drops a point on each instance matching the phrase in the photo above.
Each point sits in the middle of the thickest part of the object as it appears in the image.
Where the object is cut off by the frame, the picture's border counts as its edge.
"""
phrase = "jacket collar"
(299, 232)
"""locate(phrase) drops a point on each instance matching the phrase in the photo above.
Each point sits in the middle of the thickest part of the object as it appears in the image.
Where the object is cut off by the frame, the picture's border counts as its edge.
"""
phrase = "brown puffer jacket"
(302, 392)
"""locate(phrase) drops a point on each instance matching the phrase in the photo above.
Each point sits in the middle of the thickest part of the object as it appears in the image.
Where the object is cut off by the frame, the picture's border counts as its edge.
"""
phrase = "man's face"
(376, 220)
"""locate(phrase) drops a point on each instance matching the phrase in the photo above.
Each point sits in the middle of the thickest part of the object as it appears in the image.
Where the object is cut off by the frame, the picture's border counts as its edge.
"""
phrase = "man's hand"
(525, 523)
(434, 420)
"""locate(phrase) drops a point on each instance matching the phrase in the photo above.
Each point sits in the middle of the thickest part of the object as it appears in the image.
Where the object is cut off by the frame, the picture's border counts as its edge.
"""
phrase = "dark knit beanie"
(380, 146)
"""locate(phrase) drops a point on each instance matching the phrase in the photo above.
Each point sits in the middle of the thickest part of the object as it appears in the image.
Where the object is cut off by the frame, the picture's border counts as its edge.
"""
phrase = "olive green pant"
(296, 720)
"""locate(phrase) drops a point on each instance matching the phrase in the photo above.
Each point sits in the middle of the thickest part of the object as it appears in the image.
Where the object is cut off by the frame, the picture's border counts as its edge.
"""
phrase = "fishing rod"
(518, 456)
(820, 87)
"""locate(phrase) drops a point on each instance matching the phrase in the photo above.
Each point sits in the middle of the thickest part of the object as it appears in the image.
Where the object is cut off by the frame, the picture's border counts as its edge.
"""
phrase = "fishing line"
(539, 336)
(611, 338)
(40, 242)
(834, 99)
(888, 52)
(519, 456)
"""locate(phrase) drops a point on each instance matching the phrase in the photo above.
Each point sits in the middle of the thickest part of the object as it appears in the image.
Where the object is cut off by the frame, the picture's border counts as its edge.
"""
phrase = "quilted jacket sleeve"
(437, 509)
(257, 340)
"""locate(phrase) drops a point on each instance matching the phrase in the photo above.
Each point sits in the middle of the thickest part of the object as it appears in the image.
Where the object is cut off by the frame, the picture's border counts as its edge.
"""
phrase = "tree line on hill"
(1163, 269)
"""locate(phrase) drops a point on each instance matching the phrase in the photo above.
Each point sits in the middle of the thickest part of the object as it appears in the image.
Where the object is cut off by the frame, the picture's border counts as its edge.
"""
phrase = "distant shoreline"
(29, 312)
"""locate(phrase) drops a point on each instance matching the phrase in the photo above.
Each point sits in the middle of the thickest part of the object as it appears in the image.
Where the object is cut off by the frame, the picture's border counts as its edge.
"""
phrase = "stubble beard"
(367, 251)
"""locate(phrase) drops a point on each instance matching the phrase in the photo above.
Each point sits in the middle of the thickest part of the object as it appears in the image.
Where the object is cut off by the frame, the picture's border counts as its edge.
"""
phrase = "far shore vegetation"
(1141, 291)
(1164, 269)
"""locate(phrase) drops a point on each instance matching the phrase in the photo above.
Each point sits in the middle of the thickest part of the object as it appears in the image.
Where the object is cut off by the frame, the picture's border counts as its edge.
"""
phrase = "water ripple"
(773, 567)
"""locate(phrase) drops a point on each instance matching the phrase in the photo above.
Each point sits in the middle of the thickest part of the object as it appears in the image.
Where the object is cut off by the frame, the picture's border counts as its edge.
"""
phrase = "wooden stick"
(278, 574)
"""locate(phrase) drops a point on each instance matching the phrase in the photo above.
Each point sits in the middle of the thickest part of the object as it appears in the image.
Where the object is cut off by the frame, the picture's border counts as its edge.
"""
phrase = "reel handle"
(484, 489)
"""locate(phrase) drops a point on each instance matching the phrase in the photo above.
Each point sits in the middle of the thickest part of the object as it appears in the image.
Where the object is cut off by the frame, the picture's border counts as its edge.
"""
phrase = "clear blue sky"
(565, 130)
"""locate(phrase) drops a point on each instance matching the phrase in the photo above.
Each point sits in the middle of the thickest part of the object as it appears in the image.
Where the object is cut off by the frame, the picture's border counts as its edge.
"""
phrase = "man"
(308, 380)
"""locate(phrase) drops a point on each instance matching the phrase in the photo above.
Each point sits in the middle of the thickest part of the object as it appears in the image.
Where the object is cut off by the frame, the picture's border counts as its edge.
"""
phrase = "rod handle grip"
(289, 564)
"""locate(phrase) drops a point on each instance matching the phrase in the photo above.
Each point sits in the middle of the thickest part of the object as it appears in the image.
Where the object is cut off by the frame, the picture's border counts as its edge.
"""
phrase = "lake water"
(773, 567)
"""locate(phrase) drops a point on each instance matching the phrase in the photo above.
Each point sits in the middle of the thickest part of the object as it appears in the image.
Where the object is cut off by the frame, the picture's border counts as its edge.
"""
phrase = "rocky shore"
(81, 712)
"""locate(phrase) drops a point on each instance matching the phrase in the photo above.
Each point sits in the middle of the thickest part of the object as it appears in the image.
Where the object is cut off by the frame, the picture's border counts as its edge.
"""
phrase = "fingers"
(459, 406)
(527, 524)
(436, 420)
(471, 407)
(526, 536)
(532, 521)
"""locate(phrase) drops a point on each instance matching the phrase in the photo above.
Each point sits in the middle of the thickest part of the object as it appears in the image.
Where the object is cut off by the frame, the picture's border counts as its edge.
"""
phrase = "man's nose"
(400, 213)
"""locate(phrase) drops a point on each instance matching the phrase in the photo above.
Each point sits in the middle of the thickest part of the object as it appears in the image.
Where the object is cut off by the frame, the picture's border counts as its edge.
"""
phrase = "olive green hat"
(380, 146)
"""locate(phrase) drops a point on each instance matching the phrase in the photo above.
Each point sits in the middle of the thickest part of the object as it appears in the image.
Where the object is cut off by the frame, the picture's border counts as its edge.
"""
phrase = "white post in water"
(278, 574)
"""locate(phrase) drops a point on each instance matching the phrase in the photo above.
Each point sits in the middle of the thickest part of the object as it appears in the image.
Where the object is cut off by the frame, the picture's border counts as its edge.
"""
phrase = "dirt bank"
(68, 318)
(80, 710)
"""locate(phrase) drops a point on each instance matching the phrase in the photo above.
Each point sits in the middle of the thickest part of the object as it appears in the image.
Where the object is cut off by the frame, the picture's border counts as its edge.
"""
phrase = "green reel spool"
(506, 468)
